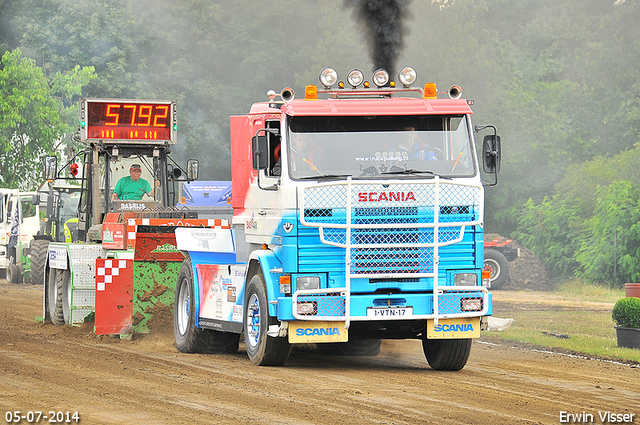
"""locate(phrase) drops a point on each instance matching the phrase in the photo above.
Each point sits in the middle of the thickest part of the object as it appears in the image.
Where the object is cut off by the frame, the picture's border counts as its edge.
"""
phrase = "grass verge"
(576, 317)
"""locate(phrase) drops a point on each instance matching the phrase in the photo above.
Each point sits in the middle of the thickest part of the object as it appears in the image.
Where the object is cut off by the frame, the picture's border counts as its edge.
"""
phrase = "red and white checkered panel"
(114, 296)
(106, 273)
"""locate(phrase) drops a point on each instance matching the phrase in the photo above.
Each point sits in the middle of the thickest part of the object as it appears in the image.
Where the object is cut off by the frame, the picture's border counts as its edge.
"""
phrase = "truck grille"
(385, 238)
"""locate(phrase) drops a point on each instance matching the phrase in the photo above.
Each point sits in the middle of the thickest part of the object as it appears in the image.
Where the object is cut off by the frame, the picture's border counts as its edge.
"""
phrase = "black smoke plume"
(384, 24)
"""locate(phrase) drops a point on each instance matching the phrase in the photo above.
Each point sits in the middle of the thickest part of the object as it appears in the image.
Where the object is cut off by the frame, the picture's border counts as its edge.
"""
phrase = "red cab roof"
(376, 106)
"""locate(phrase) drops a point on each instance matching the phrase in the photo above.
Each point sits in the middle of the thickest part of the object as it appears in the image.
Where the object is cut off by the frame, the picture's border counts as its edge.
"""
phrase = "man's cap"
(135, 166)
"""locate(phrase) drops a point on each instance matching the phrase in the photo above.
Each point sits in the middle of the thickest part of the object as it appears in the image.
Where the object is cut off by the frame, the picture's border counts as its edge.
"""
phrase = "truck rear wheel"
(263, 350)
(54, 296)
(39, 250)
(446, 354)
(188, 338)
(498, 265)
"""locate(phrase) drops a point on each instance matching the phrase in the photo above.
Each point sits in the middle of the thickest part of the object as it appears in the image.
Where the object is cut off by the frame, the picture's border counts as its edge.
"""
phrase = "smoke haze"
(384, 25)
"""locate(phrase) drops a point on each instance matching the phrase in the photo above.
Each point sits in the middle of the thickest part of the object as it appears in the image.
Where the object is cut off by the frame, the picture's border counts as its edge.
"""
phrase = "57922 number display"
(127, 120)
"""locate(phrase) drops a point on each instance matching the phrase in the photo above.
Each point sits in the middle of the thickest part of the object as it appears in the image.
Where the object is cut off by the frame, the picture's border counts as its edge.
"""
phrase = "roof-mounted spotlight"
(407, 76)
(328, 77)
(355, 78)
(380, 78)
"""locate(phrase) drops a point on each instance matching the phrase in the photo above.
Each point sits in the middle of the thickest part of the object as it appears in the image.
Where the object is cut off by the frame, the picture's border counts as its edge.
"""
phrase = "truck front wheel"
(189, 338)
(263, 350)
(498, 265)
(446, 354)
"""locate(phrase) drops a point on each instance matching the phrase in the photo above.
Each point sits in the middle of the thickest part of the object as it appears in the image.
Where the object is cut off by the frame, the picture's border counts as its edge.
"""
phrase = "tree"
(610, 252)
(33, 118)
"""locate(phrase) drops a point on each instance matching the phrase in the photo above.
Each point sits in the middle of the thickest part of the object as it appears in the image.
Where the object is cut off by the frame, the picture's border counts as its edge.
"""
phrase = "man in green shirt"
(132, 187)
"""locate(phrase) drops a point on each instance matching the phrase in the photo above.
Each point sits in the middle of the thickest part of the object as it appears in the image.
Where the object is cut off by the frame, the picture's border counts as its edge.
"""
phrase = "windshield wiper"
(325, 176)
(414, 171)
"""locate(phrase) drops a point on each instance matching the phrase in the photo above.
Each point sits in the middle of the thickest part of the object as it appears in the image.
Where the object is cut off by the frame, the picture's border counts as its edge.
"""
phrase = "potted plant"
(626, 315)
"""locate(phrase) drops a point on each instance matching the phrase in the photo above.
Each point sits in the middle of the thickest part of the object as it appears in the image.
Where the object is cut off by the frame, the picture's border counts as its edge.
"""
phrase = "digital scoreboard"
(128, 120)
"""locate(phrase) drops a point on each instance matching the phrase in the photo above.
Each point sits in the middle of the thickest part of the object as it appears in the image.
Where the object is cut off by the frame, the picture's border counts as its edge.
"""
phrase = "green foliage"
(626, 312)
(589, 227)
(33, 118)
(613, 235)
(553, 230)
(28, 119)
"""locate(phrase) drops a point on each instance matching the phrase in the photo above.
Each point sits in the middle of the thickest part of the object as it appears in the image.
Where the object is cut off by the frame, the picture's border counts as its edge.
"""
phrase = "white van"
(19, 221)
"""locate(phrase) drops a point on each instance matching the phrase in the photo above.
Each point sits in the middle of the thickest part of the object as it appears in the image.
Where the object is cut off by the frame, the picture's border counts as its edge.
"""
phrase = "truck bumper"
(411, 306)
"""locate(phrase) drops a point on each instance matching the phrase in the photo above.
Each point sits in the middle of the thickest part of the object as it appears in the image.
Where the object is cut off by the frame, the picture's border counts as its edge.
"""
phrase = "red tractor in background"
(496, 260)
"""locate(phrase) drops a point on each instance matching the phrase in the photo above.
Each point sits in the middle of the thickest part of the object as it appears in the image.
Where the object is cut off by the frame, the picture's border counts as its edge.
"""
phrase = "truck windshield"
(380, 146)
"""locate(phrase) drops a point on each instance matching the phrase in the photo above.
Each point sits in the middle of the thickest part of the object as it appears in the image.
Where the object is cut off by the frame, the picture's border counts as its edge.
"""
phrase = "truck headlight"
(380, 77)
(355, 78)
(407, 76)
(471, 304)
(308, 282)
(328, 77)
(308, 308)
(465, 279)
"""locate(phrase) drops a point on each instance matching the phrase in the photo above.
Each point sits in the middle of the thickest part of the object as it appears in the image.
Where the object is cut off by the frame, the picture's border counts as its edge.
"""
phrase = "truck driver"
(133, 187)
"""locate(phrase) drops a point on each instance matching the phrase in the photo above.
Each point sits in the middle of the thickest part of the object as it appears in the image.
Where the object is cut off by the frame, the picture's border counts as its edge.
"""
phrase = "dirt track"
(147, 381)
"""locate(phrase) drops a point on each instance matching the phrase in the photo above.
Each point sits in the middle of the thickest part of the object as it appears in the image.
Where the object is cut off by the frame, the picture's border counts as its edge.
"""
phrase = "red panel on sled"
(114, 296)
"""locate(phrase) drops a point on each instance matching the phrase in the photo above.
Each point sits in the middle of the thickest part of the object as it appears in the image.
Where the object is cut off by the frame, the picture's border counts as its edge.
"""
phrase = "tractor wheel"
(263, 350)
(54, 296)
(498, 265)
(446, 354)
(39, 251)
(64, 277)
(188, 338)
(13, 274)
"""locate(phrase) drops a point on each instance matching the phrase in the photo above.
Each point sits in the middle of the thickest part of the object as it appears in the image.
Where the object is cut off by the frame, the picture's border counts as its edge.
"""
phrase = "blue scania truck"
(357, 216)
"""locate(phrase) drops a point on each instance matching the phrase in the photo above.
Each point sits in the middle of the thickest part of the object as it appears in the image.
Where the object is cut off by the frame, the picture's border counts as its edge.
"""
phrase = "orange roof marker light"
(430, 91)
(311, 92)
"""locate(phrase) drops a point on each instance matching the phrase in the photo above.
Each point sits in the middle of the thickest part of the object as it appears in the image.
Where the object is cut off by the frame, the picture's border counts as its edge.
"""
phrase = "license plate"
(389, 312)
(463, 327)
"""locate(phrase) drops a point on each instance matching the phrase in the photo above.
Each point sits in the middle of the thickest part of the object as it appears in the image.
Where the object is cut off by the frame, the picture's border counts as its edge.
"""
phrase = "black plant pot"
(628, 337)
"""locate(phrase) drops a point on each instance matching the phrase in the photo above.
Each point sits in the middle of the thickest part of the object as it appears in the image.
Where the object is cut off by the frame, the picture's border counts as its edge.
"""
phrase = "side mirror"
(260, 152)
(35, 199)
(192, 169)
(50, 168)
(491, 153)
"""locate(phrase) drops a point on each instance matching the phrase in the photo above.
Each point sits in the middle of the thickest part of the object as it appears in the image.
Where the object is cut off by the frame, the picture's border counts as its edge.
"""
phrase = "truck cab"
(358, 216)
